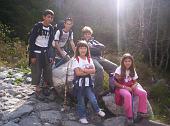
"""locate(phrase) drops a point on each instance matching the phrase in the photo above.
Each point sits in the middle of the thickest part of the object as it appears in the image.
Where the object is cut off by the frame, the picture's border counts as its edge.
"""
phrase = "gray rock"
(12, 92)
(11, 124)
(22, 110)
(59, 76)
(9, 80)
(6, 86)
(43, 106)
(28, 80)
(30, 121)
(1, 123)
(50, 116)
(2, 93)
(49, 124)
(18, 75)
(3, 69)
(71, 116)
(3, 75)
(115, 121)
(74, 123)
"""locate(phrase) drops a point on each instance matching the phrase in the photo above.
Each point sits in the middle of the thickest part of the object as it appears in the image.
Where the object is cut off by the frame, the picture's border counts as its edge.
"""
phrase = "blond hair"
(87, 29)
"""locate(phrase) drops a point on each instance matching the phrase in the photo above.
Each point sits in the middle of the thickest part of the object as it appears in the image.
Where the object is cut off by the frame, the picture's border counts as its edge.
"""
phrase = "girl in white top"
(126, 85)
(83, 67)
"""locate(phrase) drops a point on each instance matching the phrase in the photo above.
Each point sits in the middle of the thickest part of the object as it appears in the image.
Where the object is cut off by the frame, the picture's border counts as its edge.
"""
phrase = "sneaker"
(101, 113)
(130, 122)
(83, 121)
(144, 115)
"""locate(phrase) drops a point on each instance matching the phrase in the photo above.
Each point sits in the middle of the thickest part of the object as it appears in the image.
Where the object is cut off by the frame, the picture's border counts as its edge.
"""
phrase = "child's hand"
(91, 67)
(128, 88)
(133, 86)
(33, 60)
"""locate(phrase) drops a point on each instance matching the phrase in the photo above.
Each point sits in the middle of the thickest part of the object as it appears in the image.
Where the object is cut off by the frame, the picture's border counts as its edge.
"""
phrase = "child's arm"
(90, 70)
(58, 48)
(80, 72)
(134, 84)
(120, 85)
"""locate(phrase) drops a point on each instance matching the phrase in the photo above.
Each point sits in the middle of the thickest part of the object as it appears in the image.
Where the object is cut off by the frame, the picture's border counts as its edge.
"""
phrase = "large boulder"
(59, 77)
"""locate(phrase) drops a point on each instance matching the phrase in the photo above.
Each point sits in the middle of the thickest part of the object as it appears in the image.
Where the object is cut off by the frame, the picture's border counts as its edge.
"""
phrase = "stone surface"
(30, 121)
(19, 106)
(50, 116)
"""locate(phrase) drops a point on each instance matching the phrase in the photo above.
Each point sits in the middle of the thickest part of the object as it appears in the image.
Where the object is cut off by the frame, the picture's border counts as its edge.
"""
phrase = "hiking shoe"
(140, 116)
(83, 121)
(101, 113)
(144, 115)
(130, 122)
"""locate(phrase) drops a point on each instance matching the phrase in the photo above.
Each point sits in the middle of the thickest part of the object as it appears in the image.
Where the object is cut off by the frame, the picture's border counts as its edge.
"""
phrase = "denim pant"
(101, 65)
(81, 104)
(42, 67)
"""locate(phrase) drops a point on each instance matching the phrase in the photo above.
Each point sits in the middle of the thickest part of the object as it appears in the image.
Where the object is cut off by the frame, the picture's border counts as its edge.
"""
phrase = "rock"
(3, 75)
(115, 121)
(28, 80)
(2, 93)
(12, 92)
(74, 123)
(2, 69)
(110, 104)
(11, 124)
(22, 110)
(18, 75)
(51, 116)
(9, 80)
(49, 124)
(42, 106)
(71, 116)
(59, 76)
(30, 121)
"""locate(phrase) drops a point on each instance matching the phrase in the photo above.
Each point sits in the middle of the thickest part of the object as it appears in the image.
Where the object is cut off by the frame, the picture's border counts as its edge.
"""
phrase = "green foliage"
(160, 95)
(13, 50)
(18, 81)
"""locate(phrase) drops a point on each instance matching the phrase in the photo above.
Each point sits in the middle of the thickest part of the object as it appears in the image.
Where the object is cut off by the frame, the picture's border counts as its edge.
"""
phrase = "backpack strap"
(61, 33)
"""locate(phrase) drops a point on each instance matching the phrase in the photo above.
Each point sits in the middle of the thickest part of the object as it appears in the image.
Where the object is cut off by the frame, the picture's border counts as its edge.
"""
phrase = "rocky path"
(19, 107)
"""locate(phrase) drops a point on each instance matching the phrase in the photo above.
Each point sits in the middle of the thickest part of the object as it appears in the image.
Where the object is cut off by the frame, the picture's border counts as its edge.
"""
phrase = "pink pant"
(128, 100)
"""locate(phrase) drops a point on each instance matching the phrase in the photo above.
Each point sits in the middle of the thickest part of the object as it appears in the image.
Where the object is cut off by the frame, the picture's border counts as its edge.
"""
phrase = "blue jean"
(81, 104)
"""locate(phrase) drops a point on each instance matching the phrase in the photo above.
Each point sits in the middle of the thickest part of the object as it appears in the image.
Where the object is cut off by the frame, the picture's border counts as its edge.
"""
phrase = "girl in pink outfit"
(126, 86)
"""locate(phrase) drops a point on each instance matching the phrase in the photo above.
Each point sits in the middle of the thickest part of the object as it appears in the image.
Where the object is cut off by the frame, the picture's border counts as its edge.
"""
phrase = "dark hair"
(68, 19)
(48, 11)
(123, 69)
(82, 43)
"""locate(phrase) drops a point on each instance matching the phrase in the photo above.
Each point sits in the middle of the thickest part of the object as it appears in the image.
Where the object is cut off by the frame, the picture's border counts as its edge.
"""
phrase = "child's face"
(48, 18)
(87, 35)
(127, 62)
(68, 25)
(82, 51)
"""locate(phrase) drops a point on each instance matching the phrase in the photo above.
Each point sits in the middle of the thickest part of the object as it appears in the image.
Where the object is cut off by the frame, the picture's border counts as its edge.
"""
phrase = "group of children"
(42, 38)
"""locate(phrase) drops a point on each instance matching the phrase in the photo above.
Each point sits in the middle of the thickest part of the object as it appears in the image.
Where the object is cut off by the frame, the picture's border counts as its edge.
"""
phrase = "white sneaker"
(83, 121)
(101, 113)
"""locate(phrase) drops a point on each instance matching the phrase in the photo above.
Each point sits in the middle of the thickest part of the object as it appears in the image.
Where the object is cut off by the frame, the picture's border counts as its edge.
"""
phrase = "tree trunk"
(156, 41)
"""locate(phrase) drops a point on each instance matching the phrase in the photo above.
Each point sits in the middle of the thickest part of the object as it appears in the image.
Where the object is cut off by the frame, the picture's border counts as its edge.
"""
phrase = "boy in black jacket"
(40, 42)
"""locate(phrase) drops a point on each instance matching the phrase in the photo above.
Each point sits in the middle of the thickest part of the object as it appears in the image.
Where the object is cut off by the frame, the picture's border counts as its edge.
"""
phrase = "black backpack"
(60, 26)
